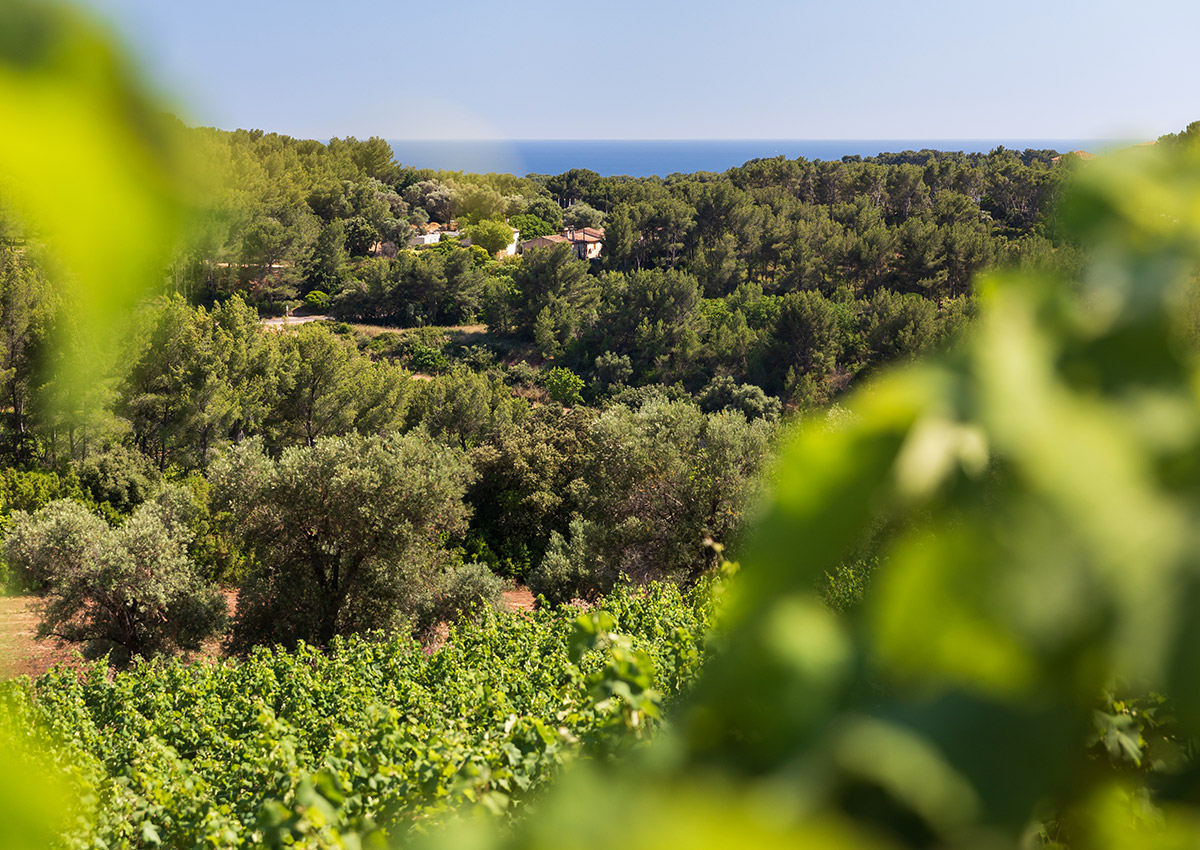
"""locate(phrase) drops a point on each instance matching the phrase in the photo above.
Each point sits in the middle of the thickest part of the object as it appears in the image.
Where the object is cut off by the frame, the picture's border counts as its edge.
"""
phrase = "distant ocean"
(642, 158)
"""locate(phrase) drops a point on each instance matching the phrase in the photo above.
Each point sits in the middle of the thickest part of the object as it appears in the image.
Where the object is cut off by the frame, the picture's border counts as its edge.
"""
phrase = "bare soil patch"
(21, 654)
(519, 599)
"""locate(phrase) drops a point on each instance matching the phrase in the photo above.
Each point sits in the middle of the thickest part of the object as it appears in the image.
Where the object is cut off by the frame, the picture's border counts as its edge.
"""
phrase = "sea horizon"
(662, 157)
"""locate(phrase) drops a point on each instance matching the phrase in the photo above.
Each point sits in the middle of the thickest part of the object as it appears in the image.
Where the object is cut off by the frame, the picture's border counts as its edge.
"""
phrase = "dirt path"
(281, 322)
(22, 655)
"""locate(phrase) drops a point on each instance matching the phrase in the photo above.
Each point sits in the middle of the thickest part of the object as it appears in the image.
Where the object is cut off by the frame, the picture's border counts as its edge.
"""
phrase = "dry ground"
(22, 655)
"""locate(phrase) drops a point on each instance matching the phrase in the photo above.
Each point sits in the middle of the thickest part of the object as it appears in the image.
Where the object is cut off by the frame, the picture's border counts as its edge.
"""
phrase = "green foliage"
(573, 566)
(1032, 498)
(123, 591)
(613, 370)
(326, 266)
(344, 533)
(724, 393)
(196, 377)
(531, 226)
(38, 798)
(551, 291)
(31, 491)
(490, 235)
(325, 387)
(435, 286)
(564, 386)
(317, 300)
(422, 358)
(547, 210)
(120, 477)
(650, 316)
(460, 590)
(663, 482)
(806, 343)
(77, 100)
(372, 740)
(530, 482)
(464, 408)
(844, 587)
(582, 215)
(28, 305)
(436, 198)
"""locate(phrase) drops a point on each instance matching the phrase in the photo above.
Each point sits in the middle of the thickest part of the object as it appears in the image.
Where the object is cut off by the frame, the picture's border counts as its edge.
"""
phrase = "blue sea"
(641, 158)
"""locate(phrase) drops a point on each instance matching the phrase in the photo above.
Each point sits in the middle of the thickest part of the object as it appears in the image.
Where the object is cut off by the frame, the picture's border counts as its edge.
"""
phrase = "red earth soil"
(22, 655)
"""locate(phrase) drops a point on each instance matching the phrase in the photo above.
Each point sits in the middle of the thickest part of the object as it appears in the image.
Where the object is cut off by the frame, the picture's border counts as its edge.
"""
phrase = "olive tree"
(345, 535)
(125, 591)
(665, 481)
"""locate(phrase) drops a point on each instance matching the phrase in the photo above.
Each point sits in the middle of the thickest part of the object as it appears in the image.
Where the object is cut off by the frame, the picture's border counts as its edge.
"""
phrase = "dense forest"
(790, 275)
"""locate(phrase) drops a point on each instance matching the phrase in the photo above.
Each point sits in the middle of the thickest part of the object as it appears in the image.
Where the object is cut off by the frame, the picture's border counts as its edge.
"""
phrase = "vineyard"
(374, 738)
(966, 616)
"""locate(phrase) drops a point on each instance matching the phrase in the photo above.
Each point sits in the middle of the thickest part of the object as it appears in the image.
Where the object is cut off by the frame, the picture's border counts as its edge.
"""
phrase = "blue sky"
(767, 69)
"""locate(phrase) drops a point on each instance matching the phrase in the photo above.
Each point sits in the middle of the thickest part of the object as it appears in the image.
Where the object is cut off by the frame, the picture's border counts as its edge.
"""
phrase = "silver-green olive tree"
(346, 535)
(125, 591)
(664, 482)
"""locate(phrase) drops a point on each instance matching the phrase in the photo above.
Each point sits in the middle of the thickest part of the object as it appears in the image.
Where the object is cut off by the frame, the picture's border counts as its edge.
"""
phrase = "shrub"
(427, 360)
(460, 589)
(522, 374)
(572, 567)
(122, 477)
(612, 370)
(724, 393)
(123, 591)
(564, 386)
(317, 300)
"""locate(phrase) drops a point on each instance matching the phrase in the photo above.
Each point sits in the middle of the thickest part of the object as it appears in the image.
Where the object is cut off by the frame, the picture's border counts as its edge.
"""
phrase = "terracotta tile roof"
(544, 241)
(585, 234)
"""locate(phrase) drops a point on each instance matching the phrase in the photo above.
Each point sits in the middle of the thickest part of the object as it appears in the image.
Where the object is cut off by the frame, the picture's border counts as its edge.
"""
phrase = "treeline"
(289, 217)
(790, 275)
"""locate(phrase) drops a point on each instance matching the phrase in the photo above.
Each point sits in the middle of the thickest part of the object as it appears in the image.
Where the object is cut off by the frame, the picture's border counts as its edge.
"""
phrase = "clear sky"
(646, 69)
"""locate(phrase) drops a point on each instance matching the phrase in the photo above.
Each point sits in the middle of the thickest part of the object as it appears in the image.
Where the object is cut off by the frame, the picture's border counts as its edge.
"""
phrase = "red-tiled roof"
(543, 241)
(585, 234)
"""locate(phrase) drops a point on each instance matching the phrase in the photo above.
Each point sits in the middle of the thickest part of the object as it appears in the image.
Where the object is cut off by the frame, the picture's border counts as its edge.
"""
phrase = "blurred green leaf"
(93, 161)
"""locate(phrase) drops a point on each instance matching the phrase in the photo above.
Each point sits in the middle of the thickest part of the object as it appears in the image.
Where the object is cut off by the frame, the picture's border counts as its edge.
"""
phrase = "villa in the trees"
(587, 241)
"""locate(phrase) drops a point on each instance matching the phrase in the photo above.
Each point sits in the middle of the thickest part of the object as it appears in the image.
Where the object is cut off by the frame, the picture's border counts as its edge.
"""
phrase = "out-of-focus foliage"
(78, 126)
(36, 791)
(89, 157)
(373, 738)
(1033, 500)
